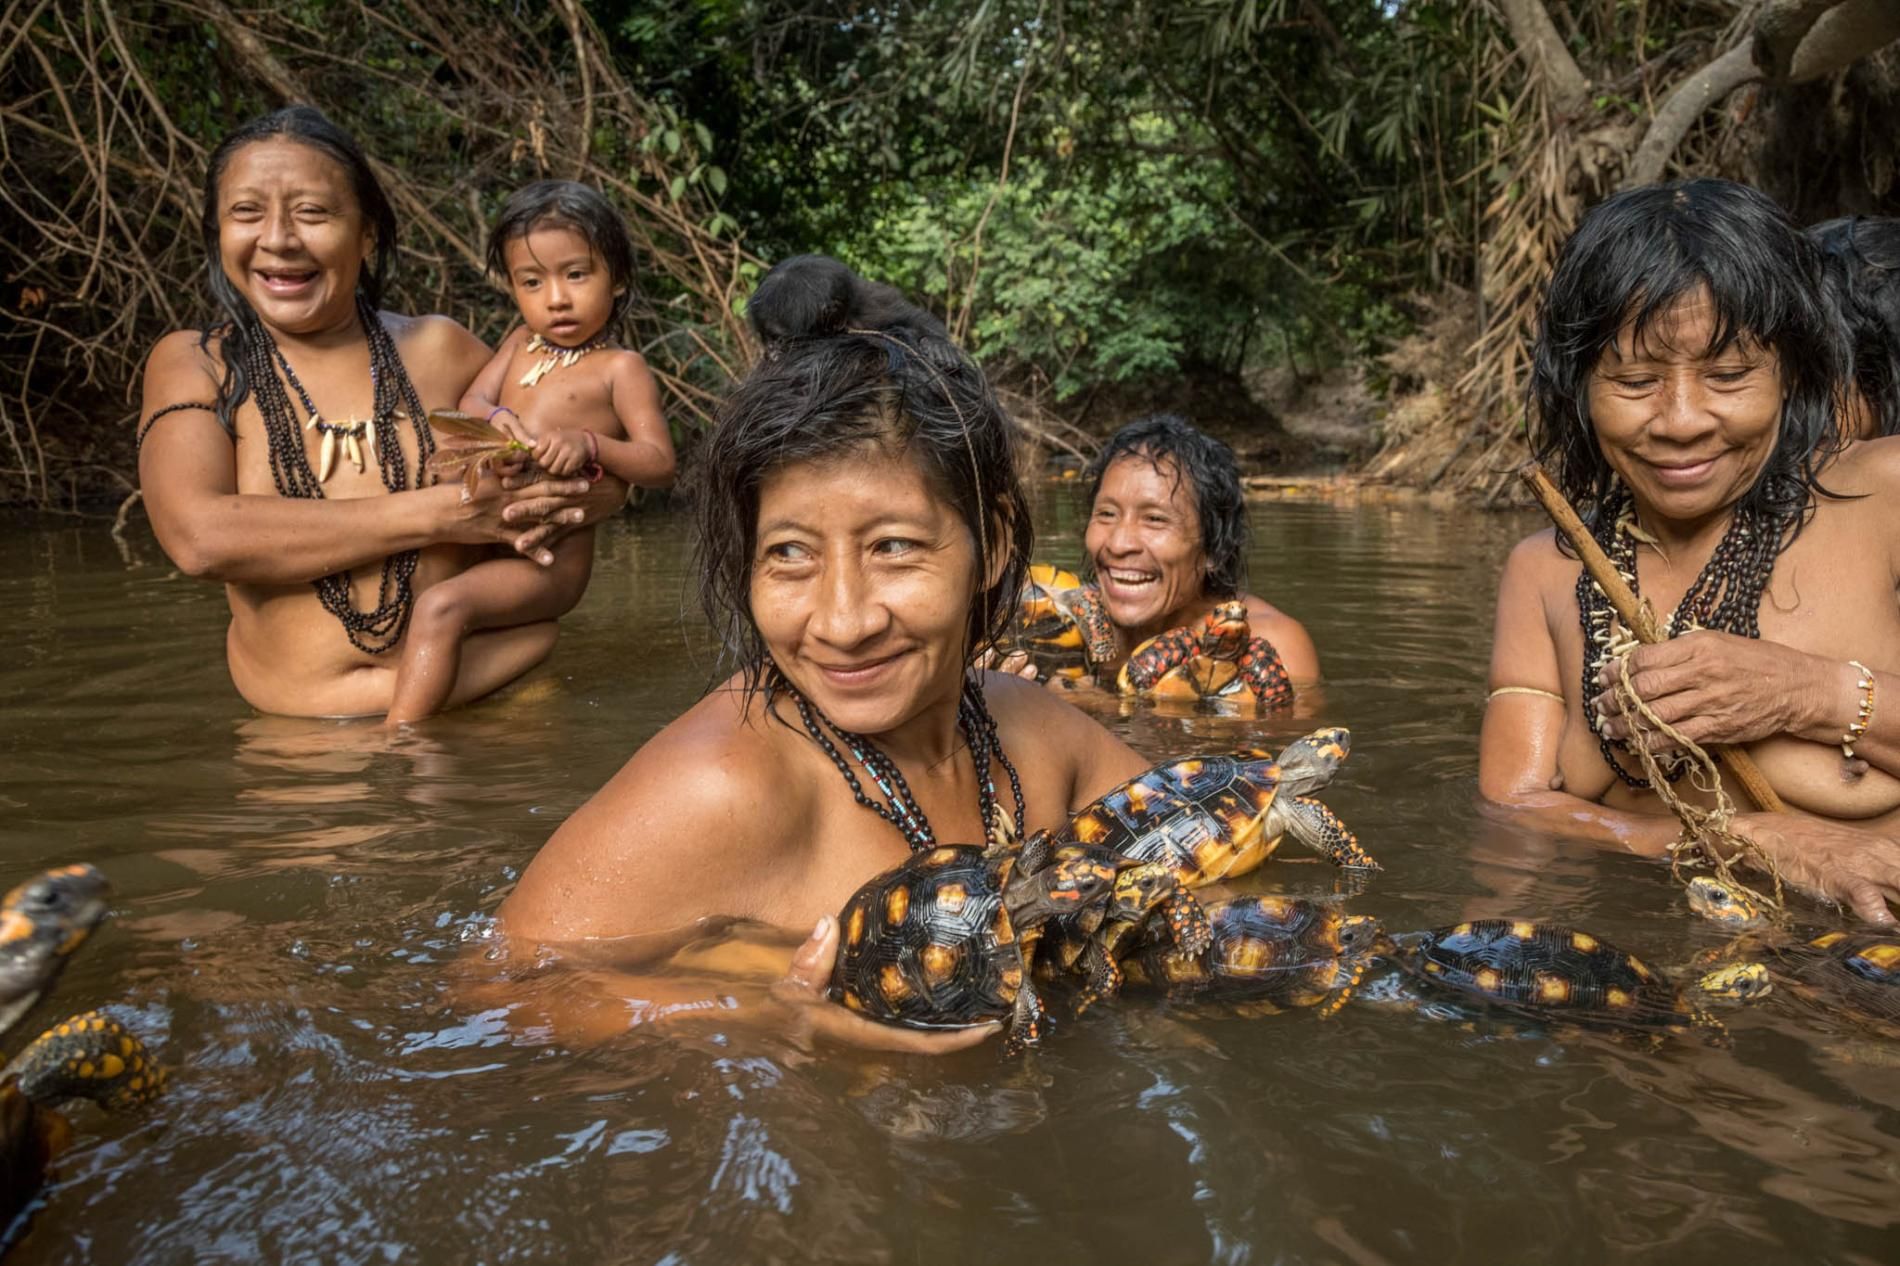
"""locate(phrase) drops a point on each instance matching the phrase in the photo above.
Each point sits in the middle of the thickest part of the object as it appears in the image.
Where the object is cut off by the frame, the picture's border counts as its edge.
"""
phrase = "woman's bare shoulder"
(1538, 561)
(181, 371)
(684, 815)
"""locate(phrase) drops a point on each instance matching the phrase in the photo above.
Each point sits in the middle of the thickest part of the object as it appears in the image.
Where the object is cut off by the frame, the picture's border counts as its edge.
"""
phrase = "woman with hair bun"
(281, 448)
(861, 534)
(1684, 388)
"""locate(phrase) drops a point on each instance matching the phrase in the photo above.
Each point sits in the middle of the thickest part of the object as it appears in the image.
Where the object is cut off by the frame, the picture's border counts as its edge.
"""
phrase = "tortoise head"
(1736, 982)
(1726, 903)
(1360, 934)
(1308, 764)
(1224, 631)
(41, 923)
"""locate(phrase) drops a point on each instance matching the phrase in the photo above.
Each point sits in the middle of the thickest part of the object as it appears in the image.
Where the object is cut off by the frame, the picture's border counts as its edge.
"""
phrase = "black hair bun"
(812, 296)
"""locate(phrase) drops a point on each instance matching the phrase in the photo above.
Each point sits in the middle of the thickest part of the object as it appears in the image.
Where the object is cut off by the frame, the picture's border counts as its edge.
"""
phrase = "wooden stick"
(1641, 620)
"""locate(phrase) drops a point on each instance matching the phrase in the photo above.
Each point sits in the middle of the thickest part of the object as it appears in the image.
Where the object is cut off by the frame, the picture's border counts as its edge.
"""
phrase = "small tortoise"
(1061, 624)
(1271, 953)
(42, 922)
(1851, 973)
(947, 939)
(1218, 659)
(1550, 970)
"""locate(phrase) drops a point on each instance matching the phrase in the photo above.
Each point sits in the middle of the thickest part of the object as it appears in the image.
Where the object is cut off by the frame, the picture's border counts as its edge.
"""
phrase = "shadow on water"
(297, 899)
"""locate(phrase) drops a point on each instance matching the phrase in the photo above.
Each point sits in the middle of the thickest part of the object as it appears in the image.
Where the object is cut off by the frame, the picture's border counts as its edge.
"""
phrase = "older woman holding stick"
(281, 449)
(1686, 380)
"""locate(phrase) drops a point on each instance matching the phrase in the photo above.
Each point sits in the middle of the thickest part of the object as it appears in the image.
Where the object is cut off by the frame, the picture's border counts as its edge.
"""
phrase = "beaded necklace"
(556, 356)
(393, 395)
(1725, 596)
(902, 810)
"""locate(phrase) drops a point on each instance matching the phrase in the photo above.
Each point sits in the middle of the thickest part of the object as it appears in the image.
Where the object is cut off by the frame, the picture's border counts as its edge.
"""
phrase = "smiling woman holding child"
(560, 383)
(282, 448)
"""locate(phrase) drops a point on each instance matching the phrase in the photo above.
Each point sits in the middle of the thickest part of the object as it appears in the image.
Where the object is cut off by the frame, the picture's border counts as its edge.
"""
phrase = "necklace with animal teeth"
(266, 372)
(352, 435)
(554, 356)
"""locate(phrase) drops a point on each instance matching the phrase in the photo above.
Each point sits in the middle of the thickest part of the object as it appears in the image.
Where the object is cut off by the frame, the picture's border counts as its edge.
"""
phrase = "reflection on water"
(298, 898)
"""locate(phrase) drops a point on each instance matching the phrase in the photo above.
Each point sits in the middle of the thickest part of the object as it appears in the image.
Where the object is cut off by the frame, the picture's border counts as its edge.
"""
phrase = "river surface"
(298, 905)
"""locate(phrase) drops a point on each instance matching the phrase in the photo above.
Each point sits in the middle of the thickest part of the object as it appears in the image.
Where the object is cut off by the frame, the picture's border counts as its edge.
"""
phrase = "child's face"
(291, 237)
(560, 285)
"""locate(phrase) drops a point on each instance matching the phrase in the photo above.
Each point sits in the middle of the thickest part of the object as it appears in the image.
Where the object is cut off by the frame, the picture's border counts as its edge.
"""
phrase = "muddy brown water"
(293, 898)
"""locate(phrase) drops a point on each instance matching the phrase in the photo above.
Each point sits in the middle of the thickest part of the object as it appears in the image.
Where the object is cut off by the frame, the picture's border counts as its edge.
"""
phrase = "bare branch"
(1536, 36)
(1683, 106)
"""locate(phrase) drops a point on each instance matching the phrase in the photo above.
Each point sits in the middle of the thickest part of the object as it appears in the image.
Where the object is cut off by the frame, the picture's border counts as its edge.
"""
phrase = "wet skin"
(862, 578)
(292, 241)
(1688, 429)
(1144, 541)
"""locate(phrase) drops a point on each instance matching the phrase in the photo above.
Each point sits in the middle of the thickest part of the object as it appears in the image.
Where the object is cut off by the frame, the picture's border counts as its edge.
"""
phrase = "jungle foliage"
(1088, 193)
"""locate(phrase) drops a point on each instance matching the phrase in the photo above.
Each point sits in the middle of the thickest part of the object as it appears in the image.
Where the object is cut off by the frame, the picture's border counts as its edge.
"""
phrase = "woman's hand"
(1829, 860)
(803, 995)
(1016, 663)
(543, 510)
(1720, 688)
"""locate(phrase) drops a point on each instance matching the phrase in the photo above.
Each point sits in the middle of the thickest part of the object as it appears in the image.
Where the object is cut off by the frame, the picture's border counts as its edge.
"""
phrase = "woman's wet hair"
(567, 204)
(1173, 445)
(1636, 255)
(842, 378)
(1860, 275)
(309, 126)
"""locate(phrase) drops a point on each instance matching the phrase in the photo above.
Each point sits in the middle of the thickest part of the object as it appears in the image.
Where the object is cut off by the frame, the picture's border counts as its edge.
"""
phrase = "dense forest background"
(1258, 211)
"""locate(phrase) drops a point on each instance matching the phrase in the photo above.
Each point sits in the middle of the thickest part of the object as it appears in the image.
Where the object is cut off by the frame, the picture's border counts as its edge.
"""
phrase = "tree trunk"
(1536, 36)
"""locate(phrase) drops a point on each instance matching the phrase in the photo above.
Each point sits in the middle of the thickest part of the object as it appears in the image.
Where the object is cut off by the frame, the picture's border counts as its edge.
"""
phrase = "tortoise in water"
(1271, 953)
(1215, 817)
(947, 939)
(1550, 970)
(42, 922)
(1852, 973)
(1218, 659)
(1061, 624)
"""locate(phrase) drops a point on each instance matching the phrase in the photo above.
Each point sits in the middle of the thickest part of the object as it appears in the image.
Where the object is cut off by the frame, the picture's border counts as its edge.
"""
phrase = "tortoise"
(1271, 953)
(1061, 624)
(947, 939)
(1852, 973)
(1220, 816)
(1219, 658)
(1551, 970)
(42, 922)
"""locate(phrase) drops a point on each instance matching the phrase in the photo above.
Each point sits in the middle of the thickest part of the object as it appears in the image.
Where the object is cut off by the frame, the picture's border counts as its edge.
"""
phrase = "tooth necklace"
(353, 435)
(554, 356)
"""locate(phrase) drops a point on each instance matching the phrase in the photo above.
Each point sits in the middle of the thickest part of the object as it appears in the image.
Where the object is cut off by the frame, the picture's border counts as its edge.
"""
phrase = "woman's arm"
(483, 396)
(675, 841)
(1720, 688)
(1523, 728)
(645, 457)
(188, 473)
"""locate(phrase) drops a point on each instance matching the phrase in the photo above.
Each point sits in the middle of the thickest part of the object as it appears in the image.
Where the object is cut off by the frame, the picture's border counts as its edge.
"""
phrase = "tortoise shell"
(1550, 968)
(1282, 952)
(1197, 815)
(929, 944)
(1858, 969)
(1061, 624)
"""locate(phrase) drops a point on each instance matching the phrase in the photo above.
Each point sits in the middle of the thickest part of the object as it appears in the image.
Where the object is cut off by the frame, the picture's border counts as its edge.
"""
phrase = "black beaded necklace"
(1725, 596)
(393, 395)
(902, 810)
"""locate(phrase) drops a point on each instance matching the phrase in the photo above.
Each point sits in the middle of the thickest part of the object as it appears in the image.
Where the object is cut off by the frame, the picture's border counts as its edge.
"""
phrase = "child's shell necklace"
(554, 357)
